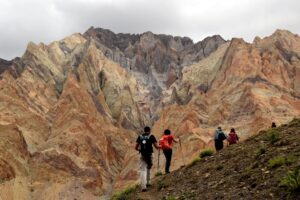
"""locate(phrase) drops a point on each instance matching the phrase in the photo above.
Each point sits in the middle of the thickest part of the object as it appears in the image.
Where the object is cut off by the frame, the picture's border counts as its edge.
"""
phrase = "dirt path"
(149, 195)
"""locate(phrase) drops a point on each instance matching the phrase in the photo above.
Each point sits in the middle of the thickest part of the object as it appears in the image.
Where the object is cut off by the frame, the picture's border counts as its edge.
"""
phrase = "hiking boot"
(144, 190)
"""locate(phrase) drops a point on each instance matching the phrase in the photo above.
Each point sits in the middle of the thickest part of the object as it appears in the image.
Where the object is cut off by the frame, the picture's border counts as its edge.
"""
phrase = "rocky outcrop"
(4, 64)
(157, 60)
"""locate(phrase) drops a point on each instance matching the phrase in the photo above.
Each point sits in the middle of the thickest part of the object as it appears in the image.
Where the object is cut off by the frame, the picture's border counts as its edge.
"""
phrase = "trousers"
(145, 168)
(168, 155)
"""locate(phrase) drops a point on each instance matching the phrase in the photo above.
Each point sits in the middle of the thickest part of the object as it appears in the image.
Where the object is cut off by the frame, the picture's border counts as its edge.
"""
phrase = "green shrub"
(272, 136)
(206, 152)
(160, 185)
(277, 162)
(123, 195)
(158, 174)
(262, 150)
(292, 181)
(193, 162)
(280, 160)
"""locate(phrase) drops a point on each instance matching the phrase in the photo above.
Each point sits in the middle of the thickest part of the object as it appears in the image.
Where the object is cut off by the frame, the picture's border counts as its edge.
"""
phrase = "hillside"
(253, 169)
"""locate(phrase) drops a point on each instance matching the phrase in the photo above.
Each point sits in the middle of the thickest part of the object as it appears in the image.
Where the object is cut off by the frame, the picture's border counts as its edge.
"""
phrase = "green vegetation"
(171, 198)
(160, 185)
(272, 136)
(276, 162)
(206, 152)
(292, 181)
(262, 150)
(158, 174)
(193, 162)
(280, 160)
(123, 195)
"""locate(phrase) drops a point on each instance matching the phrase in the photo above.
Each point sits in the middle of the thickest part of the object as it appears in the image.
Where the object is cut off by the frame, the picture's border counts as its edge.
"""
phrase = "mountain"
(254, 169)
(156, 61)
(240, 85)
(70, 111)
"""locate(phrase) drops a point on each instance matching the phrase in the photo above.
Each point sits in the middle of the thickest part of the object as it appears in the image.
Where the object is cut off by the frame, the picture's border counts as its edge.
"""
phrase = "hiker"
(233, 138)
(219, 137)
(166, 145)
(144, 144)
(273, 125)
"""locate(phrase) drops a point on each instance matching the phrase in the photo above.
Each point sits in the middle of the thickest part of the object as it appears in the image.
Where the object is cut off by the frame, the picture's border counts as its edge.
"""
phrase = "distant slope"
(253, 169)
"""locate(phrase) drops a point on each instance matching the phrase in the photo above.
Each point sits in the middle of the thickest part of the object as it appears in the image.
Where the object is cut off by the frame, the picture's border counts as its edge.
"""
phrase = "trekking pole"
(182, 157)
(158, 161)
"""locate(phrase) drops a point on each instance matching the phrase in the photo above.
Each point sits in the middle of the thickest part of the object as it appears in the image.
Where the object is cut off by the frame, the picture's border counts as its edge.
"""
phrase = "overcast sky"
(22, 21)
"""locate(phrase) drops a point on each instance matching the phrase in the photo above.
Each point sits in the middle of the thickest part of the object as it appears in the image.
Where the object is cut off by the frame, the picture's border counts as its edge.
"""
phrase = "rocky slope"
(254, 169)
(70, 111)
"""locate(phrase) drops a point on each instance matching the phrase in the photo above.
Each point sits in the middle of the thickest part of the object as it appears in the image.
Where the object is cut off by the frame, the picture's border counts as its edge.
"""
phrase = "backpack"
(219, 135)
(164, 143)
(146, 146)
(232, 138)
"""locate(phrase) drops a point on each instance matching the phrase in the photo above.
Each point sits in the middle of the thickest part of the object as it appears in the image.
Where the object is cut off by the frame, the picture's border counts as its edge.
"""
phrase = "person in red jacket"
(232, 137)
(166, 145)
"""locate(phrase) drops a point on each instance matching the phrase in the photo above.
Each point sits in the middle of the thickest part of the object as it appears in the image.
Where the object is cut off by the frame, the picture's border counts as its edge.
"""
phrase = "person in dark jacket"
(219, 138)
(144, 144)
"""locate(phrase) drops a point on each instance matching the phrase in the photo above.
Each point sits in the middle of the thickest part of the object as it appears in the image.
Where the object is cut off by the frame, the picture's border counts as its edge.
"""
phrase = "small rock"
(206, 175)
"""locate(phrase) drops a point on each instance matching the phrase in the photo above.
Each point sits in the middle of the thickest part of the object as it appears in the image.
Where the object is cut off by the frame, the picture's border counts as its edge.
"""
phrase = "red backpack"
(232, 138)
(164, 142)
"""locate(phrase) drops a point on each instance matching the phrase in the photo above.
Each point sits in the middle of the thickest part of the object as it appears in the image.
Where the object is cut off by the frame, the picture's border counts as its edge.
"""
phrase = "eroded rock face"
(63, 115)
(156, 60)
(70, 111)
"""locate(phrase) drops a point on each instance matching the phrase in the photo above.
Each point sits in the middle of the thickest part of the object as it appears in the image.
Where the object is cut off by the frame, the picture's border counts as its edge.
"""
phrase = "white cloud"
(44, 21)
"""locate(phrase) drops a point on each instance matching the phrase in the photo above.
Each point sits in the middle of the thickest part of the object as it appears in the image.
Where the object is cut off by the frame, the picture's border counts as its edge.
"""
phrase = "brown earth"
(239, 171)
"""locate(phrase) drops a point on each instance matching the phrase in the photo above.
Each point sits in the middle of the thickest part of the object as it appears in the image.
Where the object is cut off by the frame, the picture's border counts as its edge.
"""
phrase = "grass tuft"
(277, 162)
(272, 136)
(123, 195)
(161, 185)
(158, 174)
(197, 159)
(262, 150)
(292, 181)
(206, 152)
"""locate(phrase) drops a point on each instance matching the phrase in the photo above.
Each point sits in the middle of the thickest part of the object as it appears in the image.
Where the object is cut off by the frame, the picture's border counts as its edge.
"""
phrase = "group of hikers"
(146, 141)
